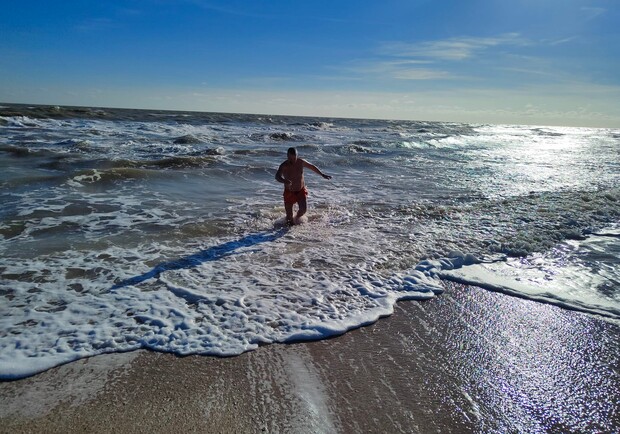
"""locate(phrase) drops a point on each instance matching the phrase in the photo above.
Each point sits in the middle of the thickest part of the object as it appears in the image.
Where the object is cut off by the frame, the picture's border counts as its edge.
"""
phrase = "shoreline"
(468, 360)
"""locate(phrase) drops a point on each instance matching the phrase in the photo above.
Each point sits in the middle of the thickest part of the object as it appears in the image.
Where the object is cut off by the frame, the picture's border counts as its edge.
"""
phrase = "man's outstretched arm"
(315, 169)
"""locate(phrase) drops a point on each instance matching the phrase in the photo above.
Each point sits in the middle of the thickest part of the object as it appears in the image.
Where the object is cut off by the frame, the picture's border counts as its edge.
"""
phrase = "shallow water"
(135, 229)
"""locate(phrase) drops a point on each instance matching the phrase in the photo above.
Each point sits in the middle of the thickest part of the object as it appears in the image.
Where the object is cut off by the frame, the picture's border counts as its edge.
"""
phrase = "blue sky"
(549, 62)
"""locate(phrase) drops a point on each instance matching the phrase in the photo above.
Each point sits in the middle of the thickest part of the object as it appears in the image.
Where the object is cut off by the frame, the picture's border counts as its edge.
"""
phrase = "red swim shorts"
(293, 197)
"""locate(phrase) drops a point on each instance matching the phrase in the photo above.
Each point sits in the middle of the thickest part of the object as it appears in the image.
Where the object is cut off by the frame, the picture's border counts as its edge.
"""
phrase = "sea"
(140, 229)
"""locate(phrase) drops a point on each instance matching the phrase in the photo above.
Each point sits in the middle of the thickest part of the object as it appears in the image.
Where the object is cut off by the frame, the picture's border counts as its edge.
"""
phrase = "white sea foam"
(224, 299)
(579, 275)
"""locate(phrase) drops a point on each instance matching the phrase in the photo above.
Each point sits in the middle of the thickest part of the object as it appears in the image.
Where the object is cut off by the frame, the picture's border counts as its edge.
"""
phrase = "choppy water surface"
(124, 229)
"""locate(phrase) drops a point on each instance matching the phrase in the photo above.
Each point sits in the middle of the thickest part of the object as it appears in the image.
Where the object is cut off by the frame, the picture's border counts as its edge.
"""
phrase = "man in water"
(291, 174)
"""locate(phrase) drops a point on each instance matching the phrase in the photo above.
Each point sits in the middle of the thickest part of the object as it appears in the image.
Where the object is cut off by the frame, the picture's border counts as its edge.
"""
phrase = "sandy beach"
(467, 361)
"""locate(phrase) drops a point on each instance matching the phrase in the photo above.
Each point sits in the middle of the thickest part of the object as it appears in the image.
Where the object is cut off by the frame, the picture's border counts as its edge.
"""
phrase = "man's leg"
(302, 207)
(289, 212)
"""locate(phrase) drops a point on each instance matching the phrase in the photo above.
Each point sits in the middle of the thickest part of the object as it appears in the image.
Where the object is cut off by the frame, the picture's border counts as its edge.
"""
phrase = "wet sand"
(468, 361)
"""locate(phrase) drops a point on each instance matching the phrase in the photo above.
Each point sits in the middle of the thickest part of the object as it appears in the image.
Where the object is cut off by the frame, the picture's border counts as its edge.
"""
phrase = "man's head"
(292, 155)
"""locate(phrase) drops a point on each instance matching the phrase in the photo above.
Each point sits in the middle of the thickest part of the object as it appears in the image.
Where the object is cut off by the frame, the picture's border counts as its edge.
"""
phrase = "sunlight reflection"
(533, 362)
(537, 162)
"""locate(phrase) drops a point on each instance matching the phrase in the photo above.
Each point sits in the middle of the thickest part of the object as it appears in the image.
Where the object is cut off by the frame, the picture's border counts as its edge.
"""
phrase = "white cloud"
(396, 69)
(420, 74)
(593, 12)
(563, 41)
(434, 60)
(95, 24)
(450, 49)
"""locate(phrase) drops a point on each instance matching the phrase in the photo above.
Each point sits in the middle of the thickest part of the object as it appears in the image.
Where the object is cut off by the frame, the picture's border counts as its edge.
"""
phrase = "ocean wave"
(280, 136)
(412, 145)
(183, 161)
(75, 145)
(546, 132)
(202, 158)
(515, 227)
(188, 139)
(64, 112)
(492, 279)
(314, 125)
(113, 175)
(283, 136)
(30, 152)
(129, 169)
(360, 147)
(257, 152)
(27, 122)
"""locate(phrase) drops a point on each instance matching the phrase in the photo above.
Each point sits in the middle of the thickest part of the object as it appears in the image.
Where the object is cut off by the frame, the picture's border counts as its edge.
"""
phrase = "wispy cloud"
(255, 10)
(95, 24)
(430, 60)
(592, 12)
(562, 41)
(452, 49)
(420, 74)
(249, 10)
(530, 71)
(397, 69)
(116, 18)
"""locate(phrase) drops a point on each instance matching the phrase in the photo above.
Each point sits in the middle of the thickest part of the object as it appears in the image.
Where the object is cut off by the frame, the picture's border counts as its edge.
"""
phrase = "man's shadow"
(214, 253)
